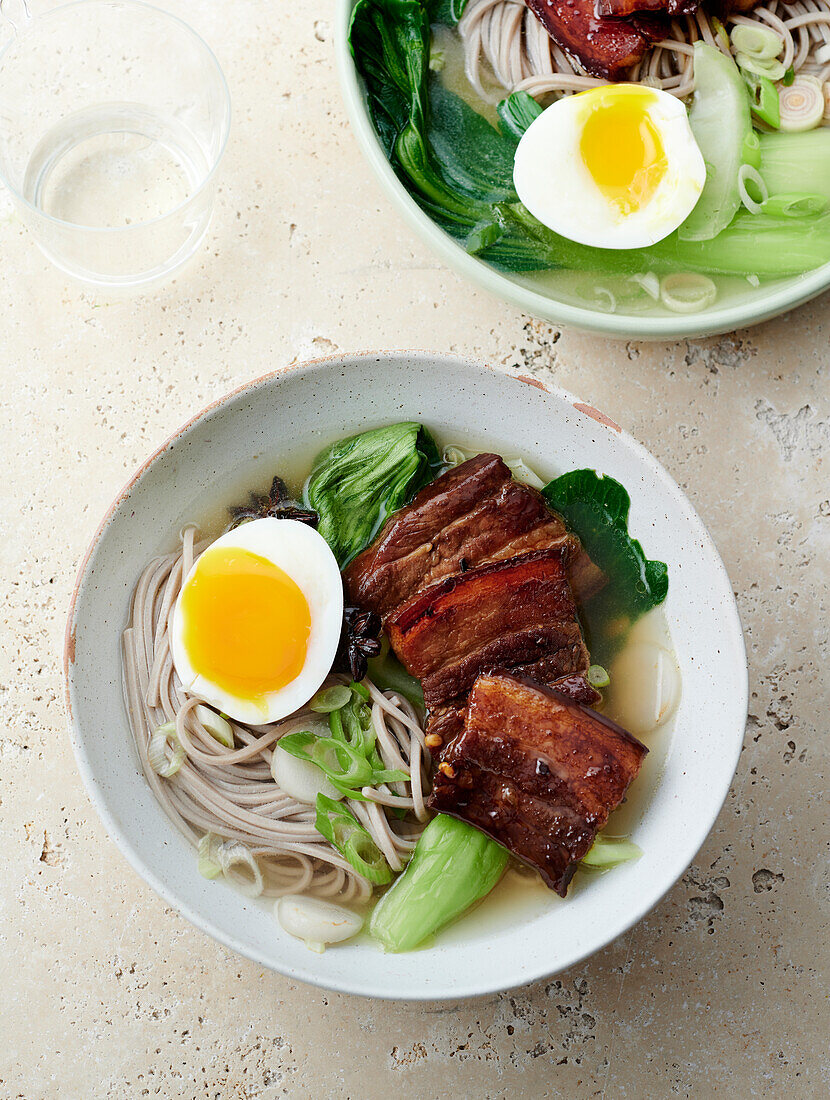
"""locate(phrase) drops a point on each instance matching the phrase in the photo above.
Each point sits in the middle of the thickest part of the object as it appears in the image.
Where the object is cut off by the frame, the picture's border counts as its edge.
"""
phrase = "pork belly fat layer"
(537, 771)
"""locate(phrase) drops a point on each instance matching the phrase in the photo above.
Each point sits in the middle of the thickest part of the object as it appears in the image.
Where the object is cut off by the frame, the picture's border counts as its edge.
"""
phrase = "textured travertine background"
(107, 993)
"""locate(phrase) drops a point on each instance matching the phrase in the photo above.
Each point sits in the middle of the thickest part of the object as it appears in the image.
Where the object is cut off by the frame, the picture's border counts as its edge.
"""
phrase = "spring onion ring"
(746, 175)
(208, 863)
(649, 282)
(802, 104)
(328, 699)
(240, 868)
(157, 757)
(757, 41)
(770, 67)
(215, 724)
(687, 292)
(597, 676)
(795, 205)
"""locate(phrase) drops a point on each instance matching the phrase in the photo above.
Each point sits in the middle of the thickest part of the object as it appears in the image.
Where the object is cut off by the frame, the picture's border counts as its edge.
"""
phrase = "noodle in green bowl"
(453, 181)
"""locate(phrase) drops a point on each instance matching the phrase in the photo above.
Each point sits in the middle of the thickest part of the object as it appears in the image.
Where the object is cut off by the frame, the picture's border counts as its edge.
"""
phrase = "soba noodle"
(230, 791)
(505, 44)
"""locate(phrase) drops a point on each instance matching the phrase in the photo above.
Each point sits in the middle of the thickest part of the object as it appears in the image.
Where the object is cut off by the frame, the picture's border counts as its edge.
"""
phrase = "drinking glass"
(113, 119)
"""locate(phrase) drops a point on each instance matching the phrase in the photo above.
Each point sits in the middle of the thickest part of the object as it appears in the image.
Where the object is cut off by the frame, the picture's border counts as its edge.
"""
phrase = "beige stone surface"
(104, 991)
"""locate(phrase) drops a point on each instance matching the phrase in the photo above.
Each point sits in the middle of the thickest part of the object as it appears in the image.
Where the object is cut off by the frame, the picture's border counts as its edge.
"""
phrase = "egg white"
(555, 185)
(305, 556)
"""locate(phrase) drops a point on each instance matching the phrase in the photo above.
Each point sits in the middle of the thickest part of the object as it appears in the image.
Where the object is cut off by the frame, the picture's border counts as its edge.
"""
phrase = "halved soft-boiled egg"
(613, 167)
(257, 623)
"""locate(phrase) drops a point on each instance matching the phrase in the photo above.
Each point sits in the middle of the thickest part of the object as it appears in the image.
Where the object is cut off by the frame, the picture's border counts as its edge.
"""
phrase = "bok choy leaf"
(596, 508)
(357, 482)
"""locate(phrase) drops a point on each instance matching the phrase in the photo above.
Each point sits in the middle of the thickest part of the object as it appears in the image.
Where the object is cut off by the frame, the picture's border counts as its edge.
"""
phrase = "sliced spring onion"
(649, 282)
(597, 676)
(752, 149)
(483, 235)
(756, 41)
(357, 726)
(687, 292)
(361, 690)
(749, 176)
(300, 778)
(157, 756)
(331, 698)
(240, 868)
(770, 67)
(822, 54)
(343, 765)
(789, 76)
(342, 830)
(215, 724)
(523, 473)
(454, 456)
(802, 104)
(765, 105)
(795, 205)
(609, 851)
(208, 863)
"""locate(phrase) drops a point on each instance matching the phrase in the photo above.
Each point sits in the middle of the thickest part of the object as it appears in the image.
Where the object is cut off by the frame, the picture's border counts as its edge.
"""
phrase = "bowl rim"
(714, 321)
(472, 987)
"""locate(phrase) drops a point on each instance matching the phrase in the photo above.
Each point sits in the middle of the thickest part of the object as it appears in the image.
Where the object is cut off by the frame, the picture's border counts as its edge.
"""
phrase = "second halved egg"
(613, 167)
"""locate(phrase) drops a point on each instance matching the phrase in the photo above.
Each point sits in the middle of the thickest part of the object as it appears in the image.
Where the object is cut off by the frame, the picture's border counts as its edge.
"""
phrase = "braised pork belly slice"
(500, 615)
(604, 47)
(446, 722)
(536, 771)
(473, 514)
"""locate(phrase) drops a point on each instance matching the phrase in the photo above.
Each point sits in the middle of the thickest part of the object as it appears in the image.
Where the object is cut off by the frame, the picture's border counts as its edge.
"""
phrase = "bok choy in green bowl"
(683, 191)
(406, 678)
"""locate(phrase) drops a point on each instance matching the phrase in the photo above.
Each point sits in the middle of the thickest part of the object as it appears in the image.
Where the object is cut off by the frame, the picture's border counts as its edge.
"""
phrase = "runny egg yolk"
(621, 146)
(246, 623)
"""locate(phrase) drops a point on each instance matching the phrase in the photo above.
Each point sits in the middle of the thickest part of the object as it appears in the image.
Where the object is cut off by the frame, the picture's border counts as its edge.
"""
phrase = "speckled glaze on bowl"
(307, 407)
(756, 304)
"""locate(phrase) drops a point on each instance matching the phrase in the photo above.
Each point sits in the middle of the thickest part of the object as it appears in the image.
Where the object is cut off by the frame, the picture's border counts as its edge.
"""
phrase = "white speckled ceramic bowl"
(307, 407)
(739, 306)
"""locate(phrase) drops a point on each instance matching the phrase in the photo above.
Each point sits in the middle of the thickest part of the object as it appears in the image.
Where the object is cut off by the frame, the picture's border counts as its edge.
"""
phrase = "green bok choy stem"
(453, 866)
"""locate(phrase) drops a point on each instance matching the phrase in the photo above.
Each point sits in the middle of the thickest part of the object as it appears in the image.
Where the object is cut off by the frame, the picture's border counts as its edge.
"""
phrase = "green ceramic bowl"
(566, 297)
